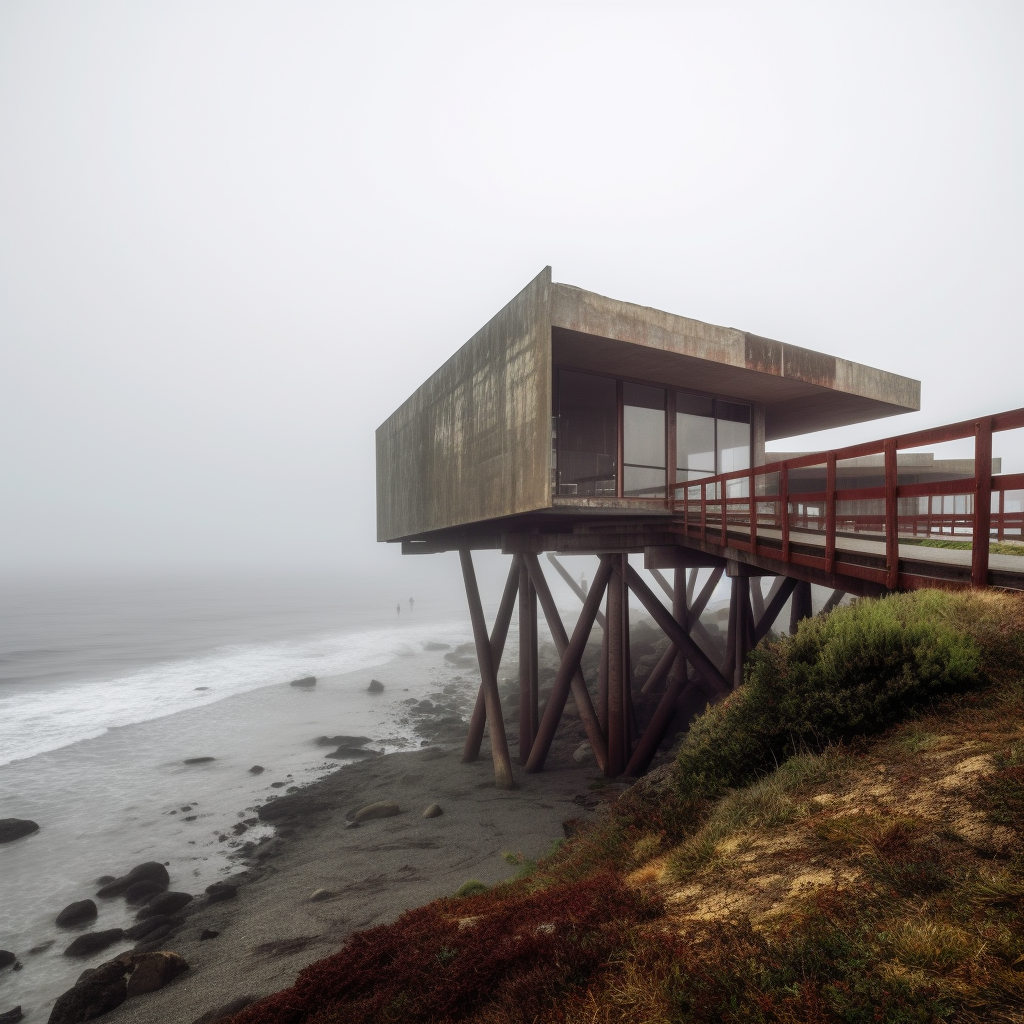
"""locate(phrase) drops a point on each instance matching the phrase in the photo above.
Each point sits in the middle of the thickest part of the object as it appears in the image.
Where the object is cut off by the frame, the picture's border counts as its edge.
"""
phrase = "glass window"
(587, 430)
(643, 441)
(695, 437)
(732, 423)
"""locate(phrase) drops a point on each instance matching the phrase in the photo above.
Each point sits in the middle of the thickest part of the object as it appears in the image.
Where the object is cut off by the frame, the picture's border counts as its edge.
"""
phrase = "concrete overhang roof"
(802, 390)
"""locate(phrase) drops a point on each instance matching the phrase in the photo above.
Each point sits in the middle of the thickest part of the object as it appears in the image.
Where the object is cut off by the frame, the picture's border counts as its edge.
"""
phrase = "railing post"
(721, 504)
(753, 513)
(830, 512)
(982, 501)
(784, 509)
(892, 536)
(1002, 513)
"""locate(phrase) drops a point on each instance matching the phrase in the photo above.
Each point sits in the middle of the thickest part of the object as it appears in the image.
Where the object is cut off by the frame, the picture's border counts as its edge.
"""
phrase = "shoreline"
(319, 879)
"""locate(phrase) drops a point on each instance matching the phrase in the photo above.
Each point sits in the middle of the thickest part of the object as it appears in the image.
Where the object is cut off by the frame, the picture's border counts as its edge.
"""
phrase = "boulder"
(146, 926)
(376, 686)
(208, 933)
(305, 682)
(319, 895)
(141, 892)
(11, 1016)
(433, 811)
(15, 828)
(221, 891)
(93, 942)
(42, 947)
(76, 913)
(104, 989)
(341, 741)
(198, 760)
(150, 871)
(166, 903)
(6, 958)
(380, 809)
(257, 769)
(105, 879)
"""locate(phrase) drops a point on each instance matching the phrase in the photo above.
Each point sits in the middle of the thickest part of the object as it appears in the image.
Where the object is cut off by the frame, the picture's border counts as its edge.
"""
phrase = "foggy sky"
(234, 237)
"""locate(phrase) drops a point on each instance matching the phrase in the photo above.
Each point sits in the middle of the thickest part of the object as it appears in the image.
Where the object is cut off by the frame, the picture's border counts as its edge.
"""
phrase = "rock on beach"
(165, 903)
(11, 1016)
(306, 682)
(198, 760)
(93, 942)
(109, 985)
(6, 958)
(376, 686)
(380, 809)
(16, 828)
(150, 871)
(76, 913)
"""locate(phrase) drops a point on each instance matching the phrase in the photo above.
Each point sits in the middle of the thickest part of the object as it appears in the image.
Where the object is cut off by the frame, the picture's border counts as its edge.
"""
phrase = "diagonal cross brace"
(588, 717)
(677, 634)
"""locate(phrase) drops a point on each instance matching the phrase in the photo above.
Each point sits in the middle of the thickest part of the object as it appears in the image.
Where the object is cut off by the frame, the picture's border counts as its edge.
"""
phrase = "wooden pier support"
(800, 609)
(569, 678)
(529, 715)
(503, 777)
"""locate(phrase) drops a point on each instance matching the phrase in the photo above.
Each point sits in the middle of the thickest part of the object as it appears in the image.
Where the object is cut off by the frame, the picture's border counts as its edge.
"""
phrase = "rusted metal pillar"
(982, 502)
(503, 778)
(800, 608)
(528, 668)
(616, 659)
(743, 626)
(602, 675)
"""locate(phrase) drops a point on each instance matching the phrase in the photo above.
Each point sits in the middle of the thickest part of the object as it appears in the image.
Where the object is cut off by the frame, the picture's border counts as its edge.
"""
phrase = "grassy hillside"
(840, 841)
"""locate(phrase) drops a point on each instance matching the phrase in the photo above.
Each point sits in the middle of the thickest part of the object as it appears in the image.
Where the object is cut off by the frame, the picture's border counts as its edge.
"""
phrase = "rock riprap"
(109, 985)
(16, 828)
(76, 913)
(150, 871)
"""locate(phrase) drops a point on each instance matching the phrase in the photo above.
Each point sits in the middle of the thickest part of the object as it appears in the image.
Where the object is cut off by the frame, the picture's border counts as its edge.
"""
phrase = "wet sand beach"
(320, 879)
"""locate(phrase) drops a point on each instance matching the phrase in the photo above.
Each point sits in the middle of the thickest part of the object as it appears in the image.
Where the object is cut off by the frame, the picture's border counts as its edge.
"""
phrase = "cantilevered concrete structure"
(474, 443)
(572, 422)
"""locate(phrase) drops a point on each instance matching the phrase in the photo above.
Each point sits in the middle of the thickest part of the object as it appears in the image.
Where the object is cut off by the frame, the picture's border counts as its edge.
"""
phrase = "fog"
(234, 237)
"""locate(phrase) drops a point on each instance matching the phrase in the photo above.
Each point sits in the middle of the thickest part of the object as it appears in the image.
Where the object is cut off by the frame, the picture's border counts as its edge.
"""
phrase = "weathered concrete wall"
(474, 441)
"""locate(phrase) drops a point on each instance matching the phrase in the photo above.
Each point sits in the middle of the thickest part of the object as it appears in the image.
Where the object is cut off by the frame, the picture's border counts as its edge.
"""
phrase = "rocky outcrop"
(150, 871)
(7, 958)
(341, 741)
(109, 985)
(93, 942)
(76, 913)
(225, 1011)
(11, 1016)
(376, 686)
(16, 828)
(304, 804)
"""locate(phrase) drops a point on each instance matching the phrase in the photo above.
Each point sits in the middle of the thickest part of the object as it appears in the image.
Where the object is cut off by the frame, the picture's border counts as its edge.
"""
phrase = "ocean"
(108, 685)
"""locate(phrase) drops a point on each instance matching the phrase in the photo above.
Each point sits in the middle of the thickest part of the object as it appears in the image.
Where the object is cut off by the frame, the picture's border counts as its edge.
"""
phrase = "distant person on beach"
(411, 604)
(398, 608)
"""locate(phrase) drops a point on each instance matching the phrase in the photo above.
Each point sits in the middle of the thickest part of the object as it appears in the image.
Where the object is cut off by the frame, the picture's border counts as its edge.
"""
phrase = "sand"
(372, 872)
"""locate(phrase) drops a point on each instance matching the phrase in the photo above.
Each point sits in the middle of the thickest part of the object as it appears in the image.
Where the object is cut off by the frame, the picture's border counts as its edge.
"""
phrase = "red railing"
(719, 510)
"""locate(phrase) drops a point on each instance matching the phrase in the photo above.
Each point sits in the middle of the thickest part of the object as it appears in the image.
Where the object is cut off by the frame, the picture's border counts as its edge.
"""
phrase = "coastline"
(370, 874)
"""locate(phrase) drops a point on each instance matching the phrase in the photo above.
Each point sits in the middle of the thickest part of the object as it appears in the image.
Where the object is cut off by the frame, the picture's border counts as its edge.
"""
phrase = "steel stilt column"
(616, 660)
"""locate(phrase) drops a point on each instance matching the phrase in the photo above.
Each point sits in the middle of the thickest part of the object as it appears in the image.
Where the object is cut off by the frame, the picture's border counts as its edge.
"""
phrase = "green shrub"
(852, 673)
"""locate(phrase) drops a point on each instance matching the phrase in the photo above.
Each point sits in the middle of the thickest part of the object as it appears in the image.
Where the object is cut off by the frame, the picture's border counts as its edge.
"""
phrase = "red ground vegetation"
(516, 948)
